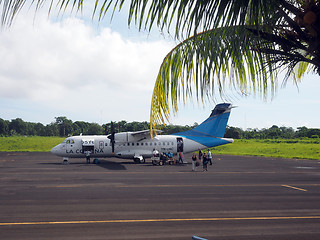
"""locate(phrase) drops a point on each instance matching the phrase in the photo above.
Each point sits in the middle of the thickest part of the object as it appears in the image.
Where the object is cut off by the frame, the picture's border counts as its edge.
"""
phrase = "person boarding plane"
(139, 145)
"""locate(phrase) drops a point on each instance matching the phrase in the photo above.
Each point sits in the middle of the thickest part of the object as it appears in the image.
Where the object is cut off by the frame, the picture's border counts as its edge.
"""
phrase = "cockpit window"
(70, 141)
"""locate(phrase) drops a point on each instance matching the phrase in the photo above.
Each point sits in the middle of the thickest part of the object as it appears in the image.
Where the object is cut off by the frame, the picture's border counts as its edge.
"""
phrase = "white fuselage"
(124, 147)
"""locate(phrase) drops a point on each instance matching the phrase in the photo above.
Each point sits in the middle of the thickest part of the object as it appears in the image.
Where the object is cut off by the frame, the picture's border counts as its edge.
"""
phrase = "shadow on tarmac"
(102, 163)
(112, 165)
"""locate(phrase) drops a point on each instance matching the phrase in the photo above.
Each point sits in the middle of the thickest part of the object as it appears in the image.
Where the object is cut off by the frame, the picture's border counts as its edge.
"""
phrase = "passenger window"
(137, 144)
(106, 144)
(141, 144)
(128, 144)
(132, 144)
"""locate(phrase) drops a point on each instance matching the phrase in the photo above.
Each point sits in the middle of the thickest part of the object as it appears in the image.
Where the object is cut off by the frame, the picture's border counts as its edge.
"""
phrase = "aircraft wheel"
(96, 161)
(142, 160)
(65, 161)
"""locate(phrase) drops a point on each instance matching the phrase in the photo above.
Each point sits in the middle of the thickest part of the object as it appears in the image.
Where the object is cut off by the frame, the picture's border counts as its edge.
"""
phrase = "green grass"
(28, 144)
(279, 148)
(292, 148)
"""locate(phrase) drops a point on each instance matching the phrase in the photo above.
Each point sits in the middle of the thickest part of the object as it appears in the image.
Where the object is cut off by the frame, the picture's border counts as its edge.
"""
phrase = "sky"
(100, 72)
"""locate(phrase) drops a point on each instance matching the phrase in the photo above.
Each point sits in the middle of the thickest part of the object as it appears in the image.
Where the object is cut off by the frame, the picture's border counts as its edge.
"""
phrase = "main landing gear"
(139, 159)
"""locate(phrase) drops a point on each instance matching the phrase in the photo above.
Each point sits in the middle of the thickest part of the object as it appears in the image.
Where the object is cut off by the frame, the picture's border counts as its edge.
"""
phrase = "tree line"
(62, 126)
(273, 132)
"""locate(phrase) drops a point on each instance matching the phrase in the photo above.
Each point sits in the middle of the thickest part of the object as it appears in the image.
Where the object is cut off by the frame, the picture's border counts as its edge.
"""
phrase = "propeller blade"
(112, 136)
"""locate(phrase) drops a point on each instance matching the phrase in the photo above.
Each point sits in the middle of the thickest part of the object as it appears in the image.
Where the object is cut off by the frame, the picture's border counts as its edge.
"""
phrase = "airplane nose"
(54, 150)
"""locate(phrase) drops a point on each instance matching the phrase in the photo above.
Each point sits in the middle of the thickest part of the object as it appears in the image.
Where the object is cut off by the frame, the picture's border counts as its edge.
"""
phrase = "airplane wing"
(144, 134)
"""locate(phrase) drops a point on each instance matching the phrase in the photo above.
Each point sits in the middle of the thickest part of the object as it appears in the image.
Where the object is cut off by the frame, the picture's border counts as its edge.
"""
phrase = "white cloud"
(69, 67)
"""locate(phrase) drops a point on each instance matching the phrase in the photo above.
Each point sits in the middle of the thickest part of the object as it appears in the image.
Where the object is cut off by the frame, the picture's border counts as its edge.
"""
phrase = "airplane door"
(179, 144)
(88, 145)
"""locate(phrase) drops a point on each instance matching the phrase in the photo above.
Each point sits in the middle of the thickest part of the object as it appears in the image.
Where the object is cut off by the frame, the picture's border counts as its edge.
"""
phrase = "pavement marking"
(300, 189)
(56, 171)
(117, 185)
(162, 220)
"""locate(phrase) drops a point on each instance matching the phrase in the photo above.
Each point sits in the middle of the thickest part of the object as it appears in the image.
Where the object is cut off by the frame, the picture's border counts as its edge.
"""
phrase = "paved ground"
(238, 198)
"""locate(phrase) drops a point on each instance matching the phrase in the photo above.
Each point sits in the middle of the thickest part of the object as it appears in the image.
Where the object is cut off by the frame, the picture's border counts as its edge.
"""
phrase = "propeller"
(111, 137)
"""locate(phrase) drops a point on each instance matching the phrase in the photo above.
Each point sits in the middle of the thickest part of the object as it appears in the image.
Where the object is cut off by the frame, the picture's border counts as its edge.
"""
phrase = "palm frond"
(209, 61)
(186, 16)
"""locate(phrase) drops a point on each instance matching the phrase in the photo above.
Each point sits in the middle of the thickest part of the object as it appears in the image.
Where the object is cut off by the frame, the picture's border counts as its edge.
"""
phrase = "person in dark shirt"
(194, 162)
(200, 154)
(205, 162)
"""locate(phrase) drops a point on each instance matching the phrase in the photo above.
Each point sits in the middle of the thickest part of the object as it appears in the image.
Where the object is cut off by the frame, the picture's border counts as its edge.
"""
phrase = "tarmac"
(238, 198)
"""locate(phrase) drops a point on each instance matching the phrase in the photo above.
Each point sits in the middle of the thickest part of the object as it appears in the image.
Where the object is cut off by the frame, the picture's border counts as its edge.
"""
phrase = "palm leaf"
(188, 16)
(209, 61)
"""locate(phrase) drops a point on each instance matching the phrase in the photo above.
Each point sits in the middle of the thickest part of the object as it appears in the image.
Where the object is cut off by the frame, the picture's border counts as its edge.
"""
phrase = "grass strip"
(278, 148)
(28, 144)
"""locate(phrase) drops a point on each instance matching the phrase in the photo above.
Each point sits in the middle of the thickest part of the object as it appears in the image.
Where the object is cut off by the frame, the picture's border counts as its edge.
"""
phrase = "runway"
(238, 198)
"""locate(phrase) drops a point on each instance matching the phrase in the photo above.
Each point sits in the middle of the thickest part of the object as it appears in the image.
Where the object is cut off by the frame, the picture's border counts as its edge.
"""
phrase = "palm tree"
(243, 44)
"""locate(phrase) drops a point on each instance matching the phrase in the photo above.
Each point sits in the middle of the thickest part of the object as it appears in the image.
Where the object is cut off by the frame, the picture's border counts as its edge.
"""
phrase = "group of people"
(205, 158)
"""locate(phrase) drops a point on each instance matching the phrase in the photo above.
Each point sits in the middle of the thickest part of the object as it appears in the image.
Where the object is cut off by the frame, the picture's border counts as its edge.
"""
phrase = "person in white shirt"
(209, 157)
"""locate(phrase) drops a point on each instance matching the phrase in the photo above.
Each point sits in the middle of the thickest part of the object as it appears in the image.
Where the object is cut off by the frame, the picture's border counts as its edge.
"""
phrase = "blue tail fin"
(214, 126)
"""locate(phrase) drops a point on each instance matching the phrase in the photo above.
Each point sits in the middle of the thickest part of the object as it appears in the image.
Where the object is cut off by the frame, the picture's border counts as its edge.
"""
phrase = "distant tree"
(252, 134)
(30, 129)
(18, 126)
(80, 127)
(313, 133)
(273, 132)
(302, 132)
(4, 127)
(52, 129)
(169, 129)
(287, 132)
(233, 132)
(40, 129)
(65, 126)
(95, 129)
(121, 126)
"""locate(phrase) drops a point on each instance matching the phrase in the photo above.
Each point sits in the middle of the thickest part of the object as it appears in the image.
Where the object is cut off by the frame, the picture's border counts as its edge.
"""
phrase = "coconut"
(310, 17)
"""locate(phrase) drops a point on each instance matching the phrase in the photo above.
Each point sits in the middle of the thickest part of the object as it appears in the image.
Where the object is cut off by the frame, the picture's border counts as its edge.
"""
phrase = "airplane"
(140, 145)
